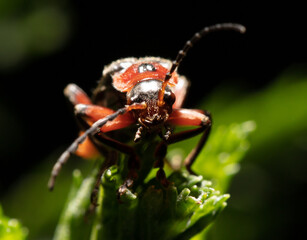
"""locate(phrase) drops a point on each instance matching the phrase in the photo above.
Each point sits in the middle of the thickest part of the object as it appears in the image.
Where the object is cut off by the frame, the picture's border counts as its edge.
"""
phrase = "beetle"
(144, 91)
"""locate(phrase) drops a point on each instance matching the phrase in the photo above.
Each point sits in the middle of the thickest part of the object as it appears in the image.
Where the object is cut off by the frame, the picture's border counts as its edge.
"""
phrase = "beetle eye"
(169, 97)
(145, 67)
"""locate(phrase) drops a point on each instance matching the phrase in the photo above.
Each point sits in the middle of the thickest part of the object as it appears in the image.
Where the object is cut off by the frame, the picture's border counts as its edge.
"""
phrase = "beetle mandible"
(145, 91)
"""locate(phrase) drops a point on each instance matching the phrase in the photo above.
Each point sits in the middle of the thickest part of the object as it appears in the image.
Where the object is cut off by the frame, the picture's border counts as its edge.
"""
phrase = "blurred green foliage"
(40, 209)
(264, 194)
(34, 28)
(266, 190)
(154, 214)
(280, 109)
(149, 210)
(280, 113)
(219, 160)
(11, 229)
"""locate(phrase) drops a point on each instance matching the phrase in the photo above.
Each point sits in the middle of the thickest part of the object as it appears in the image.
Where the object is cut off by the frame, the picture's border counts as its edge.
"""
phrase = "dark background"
(36, 119)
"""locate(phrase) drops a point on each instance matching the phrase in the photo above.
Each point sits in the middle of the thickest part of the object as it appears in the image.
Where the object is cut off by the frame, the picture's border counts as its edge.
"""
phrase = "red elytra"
(126, 81)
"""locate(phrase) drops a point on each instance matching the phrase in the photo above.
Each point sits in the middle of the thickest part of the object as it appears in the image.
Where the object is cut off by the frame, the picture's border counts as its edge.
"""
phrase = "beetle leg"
(87, 115)
(76, 95)
(95, 127)
(133, 160)
(107, 120)
(92, 113)
(138, 134)
(189, 117)
(160, 154)
(110, 160)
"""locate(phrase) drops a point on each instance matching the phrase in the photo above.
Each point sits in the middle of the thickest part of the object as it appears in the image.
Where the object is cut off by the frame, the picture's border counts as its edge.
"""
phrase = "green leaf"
(220, 159)
(149, 210)
(72, 222)
(11, 229)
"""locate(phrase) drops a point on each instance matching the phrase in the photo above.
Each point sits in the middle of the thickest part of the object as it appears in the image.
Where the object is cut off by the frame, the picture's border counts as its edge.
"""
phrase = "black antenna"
(197, 36)
(74, 146)
(190, 43)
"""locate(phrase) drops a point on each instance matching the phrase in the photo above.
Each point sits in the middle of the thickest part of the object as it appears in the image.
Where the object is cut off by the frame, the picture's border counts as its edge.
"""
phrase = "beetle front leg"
(195, 152)
(104, 123)
(133, 160)
(110, 160)
(160, 154)
(90, 113)
(76, 95)
(87, 115)
(189, 117)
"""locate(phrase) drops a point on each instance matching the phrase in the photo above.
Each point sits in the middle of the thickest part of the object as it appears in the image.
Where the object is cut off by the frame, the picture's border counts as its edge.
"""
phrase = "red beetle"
(145, 91)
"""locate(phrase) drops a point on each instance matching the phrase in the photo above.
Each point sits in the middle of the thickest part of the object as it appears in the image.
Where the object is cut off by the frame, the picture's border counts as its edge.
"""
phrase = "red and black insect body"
(147, 92)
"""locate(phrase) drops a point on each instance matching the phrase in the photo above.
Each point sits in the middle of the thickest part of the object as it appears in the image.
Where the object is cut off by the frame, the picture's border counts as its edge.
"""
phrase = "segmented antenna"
(95, 127)
(74, 146)
(190, 43)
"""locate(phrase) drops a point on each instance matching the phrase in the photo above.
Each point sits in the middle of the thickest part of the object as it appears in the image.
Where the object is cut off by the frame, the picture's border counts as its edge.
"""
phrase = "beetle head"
(147, 92)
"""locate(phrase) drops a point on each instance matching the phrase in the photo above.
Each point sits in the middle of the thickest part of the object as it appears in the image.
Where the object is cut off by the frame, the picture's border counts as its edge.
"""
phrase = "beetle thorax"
(147, 91)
